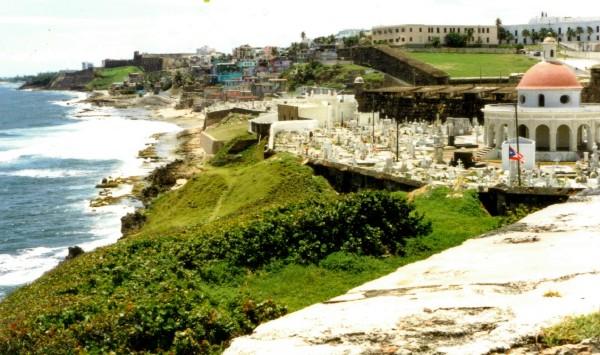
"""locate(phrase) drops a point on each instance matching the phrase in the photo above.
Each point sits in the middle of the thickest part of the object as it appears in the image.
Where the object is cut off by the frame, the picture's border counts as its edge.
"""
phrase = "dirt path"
(487, 295)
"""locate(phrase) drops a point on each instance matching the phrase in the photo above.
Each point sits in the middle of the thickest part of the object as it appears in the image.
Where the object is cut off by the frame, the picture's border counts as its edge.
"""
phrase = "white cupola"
(550, 47)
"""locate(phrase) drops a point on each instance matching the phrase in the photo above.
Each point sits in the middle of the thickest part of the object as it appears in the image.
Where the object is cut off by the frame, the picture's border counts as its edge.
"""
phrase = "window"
(565, 99)
(410, 39)
(522, 99)
(597, 38)
(541, 100)
(438, 30)
(402, 29)
(560, 30)
(487, 40)
(552, 53)
(488, 30)
(420, 29)
(597, 28)
(410, 29)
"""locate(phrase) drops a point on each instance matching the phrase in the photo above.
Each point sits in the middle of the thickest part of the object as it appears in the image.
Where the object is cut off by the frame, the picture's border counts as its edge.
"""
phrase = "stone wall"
(395, 63)
(417, 107)
(592, 92)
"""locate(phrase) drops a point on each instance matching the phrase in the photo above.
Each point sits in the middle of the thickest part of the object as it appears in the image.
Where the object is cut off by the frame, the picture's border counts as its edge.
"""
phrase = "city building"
(419, 35)
(549, 112)
(582, 31)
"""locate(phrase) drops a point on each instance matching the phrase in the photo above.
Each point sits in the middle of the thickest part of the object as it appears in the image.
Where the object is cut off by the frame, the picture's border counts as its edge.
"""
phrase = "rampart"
(395, 63)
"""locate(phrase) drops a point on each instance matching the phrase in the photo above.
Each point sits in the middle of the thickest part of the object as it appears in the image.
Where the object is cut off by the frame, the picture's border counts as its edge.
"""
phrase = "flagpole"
(517, 134)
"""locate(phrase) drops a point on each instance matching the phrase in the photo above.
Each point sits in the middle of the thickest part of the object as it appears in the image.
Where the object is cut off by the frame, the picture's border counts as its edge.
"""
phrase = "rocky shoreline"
(177, 156)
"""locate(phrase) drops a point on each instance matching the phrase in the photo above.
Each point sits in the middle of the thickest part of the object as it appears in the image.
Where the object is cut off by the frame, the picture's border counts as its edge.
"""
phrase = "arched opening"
(542, 138)
(523, 131)
(563, 138)
(584, 138)
(541, 100)
(552, 53)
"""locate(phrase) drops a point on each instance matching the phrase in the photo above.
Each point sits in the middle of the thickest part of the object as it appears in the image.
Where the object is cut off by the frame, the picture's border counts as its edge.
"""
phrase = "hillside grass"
(476, 64)
(337, 76)
(105, 77)
(152, 292)
(229, 131)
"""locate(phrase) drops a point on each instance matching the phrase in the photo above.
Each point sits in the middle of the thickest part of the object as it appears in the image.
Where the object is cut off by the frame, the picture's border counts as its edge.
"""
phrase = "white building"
(588, 37)
(549, 112)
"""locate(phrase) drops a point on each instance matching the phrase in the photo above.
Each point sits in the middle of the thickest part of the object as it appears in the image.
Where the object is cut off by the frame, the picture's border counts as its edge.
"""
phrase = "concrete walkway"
(487, 295)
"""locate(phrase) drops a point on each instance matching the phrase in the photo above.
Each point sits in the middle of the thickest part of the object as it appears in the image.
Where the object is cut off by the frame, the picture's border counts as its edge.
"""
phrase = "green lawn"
(229, 131)
(104, 78)
(476, 64)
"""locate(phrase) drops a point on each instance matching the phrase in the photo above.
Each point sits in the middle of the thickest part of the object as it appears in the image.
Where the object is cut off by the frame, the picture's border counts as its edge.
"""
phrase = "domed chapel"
(549, 111)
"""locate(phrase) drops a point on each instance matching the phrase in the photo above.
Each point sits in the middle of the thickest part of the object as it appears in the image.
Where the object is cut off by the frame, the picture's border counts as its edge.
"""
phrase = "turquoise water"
(53, 152)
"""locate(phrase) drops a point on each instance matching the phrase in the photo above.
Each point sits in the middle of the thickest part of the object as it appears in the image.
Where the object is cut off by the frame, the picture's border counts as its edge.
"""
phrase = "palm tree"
(570, 33)
(525, 33)
(579, 32)
(590, 31)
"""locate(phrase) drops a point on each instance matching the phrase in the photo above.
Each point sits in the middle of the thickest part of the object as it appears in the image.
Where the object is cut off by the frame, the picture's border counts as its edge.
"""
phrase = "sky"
(50, 35)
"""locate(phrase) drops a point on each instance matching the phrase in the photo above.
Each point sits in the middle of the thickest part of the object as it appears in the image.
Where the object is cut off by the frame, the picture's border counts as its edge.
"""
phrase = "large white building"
(549, 111)
(426, 34)
(565, 29)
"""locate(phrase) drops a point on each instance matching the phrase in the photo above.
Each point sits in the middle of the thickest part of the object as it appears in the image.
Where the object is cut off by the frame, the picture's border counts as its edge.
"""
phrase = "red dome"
(549, 75)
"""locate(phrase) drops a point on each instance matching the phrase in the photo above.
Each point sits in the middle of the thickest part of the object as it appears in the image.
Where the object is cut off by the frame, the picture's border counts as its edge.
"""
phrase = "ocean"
(53, 151)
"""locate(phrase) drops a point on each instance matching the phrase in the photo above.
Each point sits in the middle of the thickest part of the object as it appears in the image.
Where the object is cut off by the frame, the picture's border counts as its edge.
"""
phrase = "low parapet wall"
(395, 63)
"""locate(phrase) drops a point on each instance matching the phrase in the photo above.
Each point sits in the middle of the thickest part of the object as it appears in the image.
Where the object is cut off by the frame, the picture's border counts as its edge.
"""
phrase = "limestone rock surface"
(488, 295)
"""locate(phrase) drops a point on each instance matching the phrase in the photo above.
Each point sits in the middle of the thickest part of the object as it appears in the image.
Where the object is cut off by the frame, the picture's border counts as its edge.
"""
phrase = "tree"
(436, 42)
(570, 34)
(579, 32)
(351, 41)
(455, 40)
(469, 36)
(303, 36)
(525, 34)
(590, 31)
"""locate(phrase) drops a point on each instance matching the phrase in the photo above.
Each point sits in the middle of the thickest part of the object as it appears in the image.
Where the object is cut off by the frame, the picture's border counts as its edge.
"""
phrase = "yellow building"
(425, 34)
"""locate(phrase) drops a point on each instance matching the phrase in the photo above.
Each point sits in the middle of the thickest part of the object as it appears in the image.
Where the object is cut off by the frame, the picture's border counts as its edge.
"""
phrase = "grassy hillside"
(332, 76)
(104, 78)
(476, 64)
(223, 254)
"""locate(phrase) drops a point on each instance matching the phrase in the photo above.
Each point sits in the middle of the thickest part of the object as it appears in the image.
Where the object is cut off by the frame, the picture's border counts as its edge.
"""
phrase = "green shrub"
(368, 223)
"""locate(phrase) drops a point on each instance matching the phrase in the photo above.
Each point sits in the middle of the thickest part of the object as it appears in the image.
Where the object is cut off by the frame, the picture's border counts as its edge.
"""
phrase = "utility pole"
(373, 114)
(518, 147)
(397, 138)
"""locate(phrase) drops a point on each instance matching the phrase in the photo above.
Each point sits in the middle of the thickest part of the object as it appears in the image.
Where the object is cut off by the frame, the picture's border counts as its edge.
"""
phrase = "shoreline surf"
(121, 134)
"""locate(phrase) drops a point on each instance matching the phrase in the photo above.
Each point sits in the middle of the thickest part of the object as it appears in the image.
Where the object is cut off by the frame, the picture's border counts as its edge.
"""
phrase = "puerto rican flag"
(513, 155)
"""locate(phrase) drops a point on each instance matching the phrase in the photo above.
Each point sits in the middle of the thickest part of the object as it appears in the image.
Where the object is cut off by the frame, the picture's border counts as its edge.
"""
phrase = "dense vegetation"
(238, 245)
(105, 77)
(476, 64)
(337, 76)
(40, 80)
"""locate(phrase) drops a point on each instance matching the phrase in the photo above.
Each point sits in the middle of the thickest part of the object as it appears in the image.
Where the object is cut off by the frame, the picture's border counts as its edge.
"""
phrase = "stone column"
(499, 135)
(553, 131)
(573, 139)
(591, 137)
